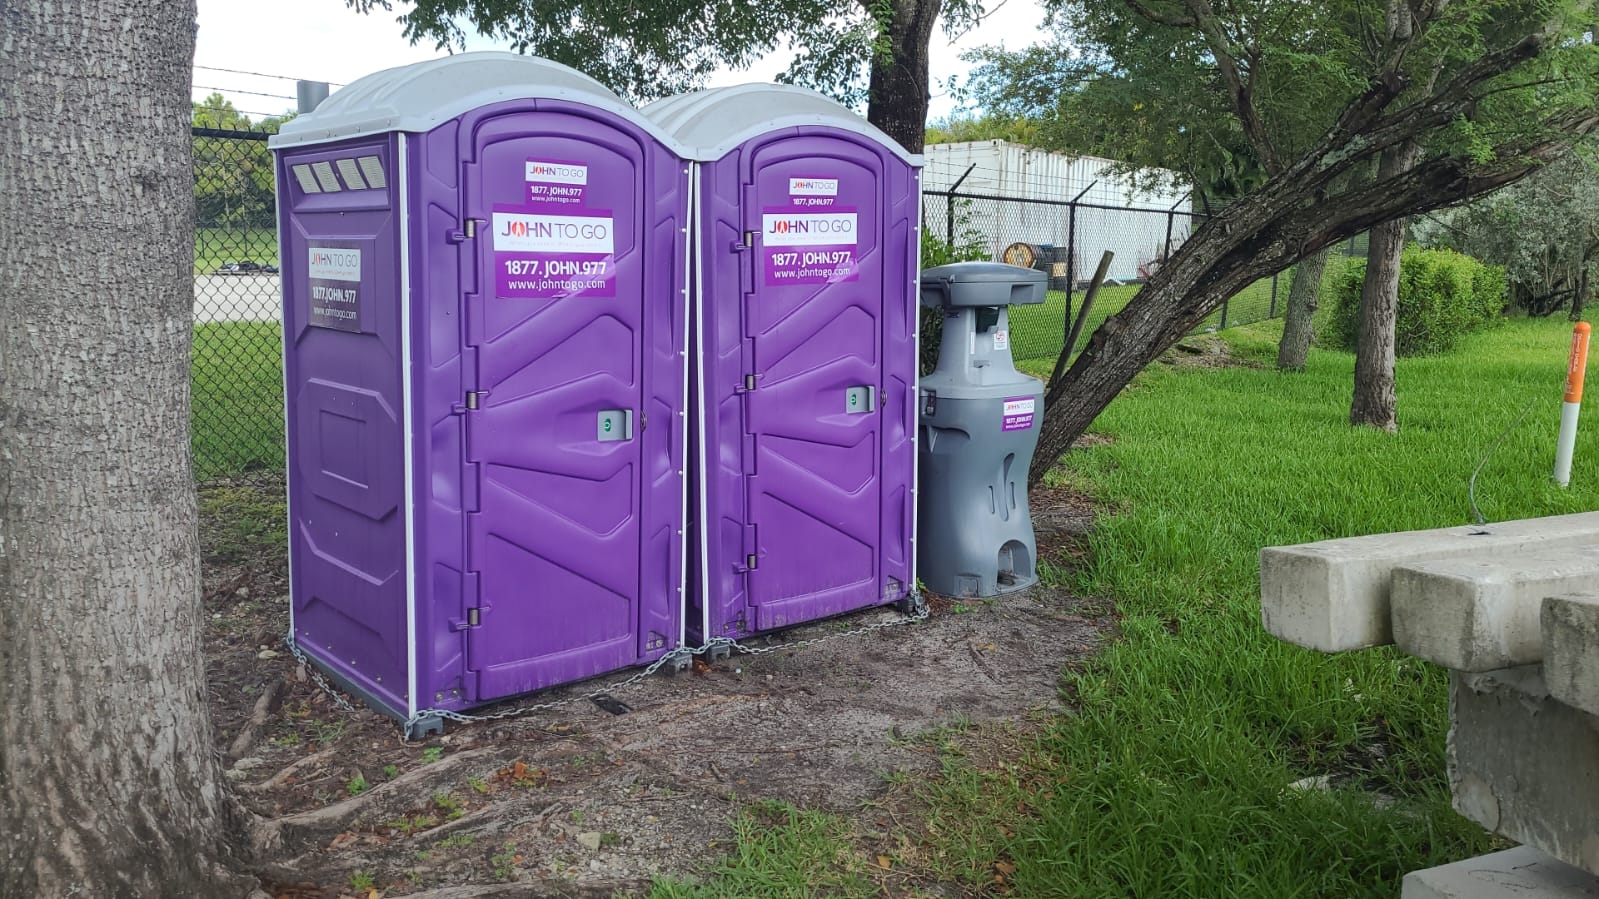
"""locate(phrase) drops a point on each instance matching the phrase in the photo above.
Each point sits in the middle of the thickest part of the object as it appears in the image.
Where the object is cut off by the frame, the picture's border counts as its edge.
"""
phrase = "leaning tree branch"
(1368, 127)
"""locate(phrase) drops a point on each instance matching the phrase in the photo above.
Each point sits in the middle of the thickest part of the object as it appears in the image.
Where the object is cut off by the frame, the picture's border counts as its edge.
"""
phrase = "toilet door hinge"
(467, 231)
(470, 402)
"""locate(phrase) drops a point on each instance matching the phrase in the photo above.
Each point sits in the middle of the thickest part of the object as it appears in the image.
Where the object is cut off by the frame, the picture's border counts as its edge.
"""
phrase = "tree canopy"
(1229, 93)
(872, 51)
(1544, 231)
(233, 185)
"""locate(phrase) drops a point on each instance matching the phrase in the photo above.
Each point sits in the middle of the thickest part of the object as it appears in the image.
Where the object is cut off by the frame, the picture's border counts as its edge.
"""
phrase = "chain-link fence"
(1066, 239)
(237, 425)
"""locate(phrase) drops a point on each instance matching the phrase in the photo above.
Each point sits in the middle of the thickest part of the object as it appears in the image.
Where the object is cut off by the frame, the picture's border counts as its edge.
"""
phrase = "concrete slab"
(1519, 873)
(1481, 613)
(1525, 765)
(1570, 626)
(1333, 595)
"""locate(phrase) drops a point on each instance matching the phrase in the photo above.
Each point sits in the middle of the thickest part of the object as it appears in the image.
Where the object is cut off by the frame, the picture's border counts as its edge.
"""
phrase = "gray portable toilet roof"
(711, 123)
(421, 96)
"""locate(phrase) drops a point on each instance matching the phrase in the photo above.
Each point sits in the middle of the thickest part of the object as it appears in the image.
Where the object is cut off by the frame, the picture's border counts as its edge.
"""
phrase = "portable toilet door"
(806, 223)
(486, 459)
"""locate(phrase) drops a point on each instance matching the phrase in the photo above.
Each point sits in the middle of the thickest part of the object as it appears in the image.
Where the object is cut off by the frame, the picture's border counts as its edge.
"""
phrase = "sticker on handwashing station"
(552, 245)
(803, 244)
(1018, 414)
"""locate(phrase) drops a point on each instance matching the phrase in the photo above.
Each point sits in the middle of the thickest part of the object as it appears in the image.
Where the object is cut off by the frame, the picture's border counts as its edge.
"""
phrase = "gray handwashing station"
(979, 425)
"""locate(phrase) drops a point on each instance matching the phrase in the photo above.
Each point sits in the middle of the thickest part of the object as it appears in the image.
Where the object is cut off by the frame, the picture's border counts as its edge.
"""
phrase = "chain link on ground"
(305, 665)
(919, 612)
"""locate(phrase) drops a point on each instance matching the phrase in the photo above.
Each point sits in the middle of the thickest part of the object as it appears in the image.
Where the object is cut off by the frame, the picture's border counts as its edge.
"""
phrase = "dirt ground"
(581, 801)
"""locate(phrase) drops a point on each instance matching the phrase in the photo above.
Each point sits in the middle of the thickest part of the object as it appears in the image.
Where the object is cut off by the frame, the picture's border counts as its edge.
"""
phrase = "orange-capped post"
(1576, 367)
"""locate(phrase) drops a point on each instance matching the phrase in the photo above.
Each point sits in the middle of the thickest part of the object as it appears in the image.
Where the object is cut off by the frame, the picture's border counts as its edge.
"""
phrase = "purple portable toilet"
(485, 286)
(806, 222)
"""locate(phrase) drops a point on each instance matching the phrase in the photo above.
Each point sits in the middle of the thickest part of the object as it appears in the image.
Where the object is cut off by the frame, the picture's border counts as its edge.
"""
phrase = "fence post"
(1071, 274)
(1273, 312)
(949, 206)
(1071, 270)
(1223, 316)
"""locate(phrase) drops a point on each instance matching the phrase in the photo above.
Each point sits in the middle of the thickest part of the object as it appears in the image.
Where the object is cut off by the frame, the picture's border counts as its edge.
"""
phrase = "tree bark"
(1374, 402)
(899, 91)
(108, 774)
(1303, 299)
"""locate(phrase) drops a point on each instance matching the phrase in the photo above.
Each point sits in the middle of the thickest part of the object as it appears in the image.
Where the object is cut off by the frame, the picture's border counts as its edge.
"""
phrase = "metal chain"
(305, 665)
(919, 612)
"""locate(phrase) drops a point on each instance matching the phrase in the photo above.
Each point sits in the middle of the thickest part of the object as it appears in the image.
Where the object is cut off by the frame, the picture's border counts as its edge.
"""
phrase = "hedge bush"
(1442, 296)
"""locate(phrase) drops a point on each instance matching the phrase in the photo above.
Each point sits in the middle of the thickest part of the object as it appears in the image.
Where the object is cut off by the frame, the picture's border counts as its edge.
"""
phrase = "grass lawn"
(215, 246)
(1170, 776)
(1037, 332)
(236, 423)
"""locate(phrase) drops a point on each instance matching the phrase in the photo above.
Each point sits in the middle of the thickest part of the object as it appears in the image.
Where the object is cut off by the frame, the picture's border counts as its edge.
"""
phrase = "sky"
(254, 59)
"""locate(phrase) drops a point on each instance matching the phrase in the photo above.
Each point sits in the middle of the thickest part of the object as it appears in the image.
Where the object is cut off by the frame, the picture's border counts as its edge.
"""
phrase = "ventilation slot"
(324, 177)
(372, 168)
(351, 175)
(302, 173)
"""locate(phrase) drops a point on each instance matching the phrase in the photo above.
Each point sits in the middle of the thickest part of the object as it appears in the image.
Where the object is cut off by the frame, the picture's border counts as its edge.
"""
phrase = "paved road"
(236, 298)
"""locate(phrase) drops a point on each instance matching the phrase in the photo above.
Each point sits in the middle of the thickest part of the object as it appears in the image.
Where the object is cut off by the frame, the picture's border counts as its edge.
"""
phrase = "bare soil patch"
(580, 801)
(1205, 351)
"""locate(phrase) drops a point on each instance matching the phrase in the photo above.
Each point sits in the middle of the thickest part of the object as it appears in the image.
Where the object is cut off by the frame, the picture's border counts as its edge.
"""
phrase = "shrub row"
(1443, 295)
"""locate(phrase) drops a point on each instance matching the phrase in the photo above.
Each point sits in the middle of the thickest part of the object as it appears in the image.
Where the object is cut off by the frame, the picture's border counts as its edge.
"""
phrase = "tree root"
(271, 699)
(278, 779)
(291, 834)
(531, 891)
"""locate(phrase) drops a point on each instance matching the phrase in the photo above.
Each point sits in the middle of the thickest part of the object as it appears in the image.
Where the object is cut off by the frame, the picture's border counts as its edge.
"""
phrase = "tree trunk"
(1374, 399)
(1580, 298)
(1303, 298)
(899, 80)
(108, 775)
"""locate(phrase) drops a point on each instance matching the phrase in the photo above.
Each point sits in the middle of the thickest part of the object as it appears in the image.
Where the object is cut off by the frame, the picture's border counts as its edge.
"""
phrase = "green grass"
(782, 851)
(1169, 782)
(1037, 332)
(236, 420)
(1169, 778)
(215, 246)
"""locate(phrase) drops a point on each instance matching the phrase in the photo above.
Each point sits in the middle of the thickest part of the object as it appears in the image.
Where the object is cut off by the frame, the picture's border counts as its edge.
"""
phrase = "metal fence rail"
(237, 428)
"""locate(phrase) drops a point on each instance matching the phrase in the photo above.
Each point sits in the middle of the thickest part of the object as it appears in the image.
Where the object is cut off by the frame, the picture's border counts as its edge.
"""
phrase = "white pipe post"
(1576, 367)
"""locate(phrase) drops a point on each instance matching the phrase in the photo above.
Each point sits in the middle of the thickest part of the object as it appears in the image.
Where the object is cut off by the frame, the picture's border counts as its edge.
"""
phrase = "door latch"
(614, 425)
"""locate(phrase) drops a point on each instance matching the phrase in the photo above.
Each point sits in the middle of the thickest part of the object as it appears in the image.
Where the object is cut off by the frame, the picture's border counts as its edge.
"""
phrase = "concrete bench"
(1570, 626)
(1525, 765)
(1481, 613)
(1333, 595)
(1519, 873)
